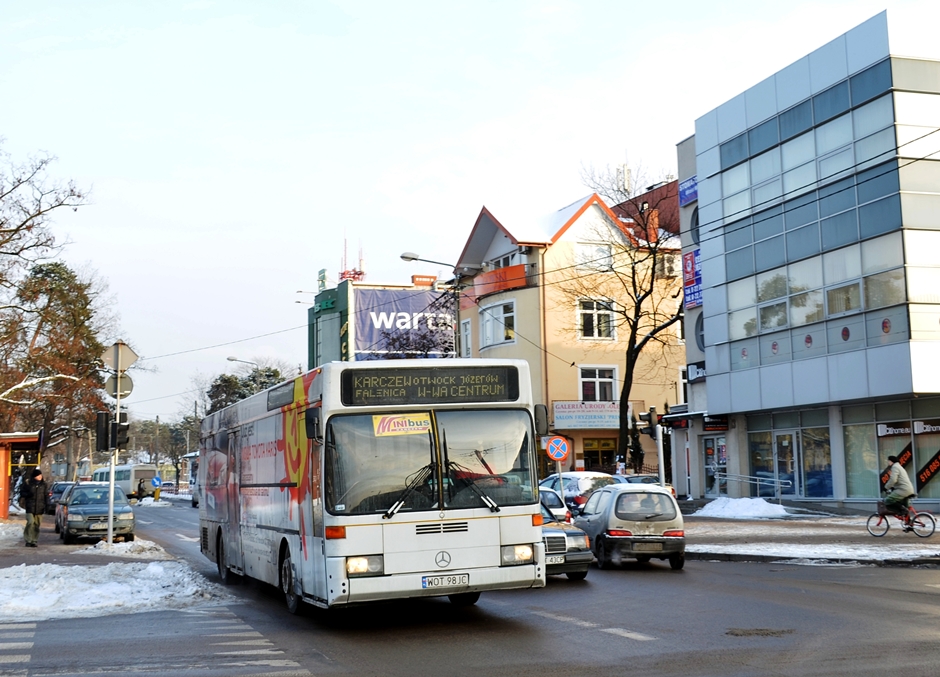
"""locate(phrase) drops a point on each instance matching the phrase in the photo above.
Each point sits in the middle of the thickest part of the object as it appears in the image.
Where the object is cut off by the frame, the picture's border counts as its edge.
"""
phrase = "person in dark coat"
(33, 496)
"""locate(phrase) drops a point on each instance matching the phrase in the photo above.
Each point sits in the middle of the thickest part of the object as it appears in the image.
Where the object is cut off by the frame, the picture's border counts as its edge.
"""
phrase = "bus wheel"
(464, 598)
(287, 583)
(228, 578)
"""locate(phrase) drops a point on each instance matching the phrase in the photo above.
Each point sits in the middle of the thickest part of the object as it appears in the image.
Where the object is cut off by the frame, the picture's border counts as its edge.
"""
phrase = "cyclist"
(899, 488)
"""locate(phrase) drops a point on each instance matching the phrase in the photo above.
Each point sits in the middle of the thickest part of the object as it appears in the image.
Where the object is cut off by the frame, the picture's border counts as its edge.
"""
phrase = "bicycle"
(921, 523)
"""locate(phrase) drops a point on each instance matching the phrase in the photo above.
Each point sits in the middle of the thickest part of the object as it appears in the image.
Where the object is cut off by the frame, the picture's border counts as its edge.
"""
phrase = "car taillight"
(568, 516)
(580, 500)
(619, 532)
(675, 533)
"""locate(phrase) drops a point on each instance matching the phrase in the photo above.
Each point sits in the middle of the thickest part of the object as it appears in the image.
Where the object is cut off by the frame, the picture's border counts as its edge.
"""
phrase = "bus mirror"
(312, 422)
(541, 419)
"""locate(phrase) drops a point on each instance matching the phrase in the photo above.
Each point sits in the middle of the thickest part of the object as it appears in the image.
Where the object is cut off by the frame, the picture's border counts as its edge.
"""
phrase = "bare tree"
(635, 276)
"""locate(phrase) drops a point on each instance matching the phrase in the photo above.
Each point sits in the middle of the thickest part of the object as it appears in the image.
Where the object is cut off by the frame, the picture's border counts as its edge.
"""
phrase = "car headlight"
(370, 565)
(76, 518)
(512, 555)
(124, 516)
(578, 542)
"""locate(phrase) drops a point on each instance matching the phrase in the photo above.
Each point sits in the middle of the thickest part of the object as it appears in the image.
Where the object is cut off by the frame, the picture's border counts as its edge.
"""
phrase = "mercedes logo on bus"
(442, 559)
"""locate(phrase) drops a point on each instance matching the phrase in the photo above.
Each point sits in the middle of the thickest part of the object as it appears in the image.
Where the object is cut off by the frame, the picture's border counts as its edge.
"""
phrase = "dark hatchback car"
(55, 493)
(567, 548)
(84, 513)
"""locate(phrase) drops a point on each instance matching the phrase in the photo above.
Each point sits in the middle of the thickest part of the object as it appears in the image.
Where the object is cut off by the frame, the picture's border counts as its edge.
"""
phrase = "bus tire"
(225, 574)
(287, 581)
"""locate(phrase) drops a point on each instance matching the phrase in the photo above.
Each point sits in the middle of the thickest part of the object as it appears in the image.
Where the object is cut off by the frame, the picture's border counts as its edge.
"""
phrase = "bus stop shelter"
(19, 452)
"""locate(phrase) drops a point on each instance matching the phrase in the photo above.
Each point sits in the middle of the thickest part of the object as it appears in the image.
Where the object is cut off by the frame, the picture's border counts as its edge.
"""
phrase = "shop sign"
(712, 424)
(894, 429)
(586, 415)
(688, 191)
(692, 278)
(695, 372)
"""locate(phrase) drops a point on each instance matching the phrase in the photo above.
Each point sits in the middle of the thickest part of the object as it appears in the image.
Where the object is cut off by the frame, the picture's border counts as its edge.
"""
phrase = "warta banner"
(403, 323)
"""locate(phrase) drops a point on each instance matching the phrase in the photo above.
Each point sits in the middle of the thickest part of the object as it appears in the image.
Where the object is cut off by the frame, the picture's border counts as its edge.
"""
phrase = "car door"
(589, 520)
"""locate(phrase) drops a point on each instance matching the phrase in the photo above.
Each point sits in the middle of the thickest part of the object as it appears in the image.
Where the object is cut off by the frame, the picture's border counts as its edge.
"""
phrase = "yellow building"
(557, 294)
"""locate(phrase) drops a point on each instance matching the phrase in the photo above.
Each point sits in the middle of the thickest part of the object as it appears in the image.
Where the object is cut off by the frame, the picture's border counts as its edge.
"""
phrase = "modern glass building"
(817, 227)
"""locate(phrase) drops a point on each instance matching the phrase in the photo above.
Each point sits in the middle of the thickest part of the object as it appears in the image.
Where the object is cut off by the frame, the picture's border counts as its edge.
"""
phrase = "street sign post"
(111, 385)
(557, 449)
(117, 358)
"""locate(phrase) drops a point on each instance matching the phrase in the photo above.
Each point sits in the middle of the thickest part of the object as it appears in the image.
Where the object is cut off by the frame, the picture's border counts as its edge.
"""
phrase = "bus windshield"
(374, 461)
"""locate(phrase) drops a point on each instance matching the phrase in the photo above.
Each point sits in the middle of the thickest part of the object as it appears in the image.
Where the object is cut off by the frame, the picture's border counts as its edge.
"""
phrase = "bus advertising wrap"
(400, 323)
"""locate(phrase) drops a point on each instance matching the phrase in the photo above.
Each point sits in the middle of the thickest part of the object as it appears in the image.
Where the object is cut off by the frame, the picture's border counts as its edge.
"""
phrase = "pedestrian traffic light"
(651, 420)
(120, 433)
(102, 430)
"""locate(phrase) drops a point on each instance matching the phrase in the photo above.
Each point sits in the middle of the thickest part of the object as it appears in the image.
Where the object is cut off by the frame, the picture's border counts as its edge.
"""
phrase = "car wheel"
(67, 537)
(603, 562)
(464, 598)
(677, 561)
(128, 538)
(57, 529)
(576, 575)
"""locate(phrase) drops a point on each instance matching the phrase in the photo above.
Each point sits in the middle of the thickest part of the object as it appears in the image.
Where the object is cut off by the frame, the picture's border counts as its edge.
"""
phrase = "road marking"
(251, 633)
(15, 658)
(279, 673)
(245, 642)
(272, 663)
(17, 635)
(250, 652)
(15, 646)
(628, 634)
(17, 626)
(566, 619)
(191, 539)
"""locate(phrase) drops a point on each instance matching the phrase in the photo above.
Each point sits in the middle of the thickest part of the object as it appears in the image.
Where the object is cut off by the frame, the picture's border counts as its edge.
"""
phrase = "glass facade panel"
(921, 210)
(916, 74)
(875, 148)
(877, 182)
(800, 180)
(888, 325)
(817, 462)
(765, 166)
(763, 136)
(773, 316)
(839, 230)
(862, 413)
(768, 223)
(836, 197)
(736, 206)
(830, 103)
(871, 117)
(923, 285)
(844, 299)
(830, 167)
(842, 264)
(887, 252)
(741, 294)
(799, 150)
(734, 180)
(797, 119)
(775, 348)
(884, 289)
(768, 193)
(744, 354)
(799, 212)
(926, 408)
(846, 333)
(861, 461)
(772, 285)
(770, 253)
(871, 82)
(742, 323)
(833, 134)
(739, 263)
(738, 234)
(761, 456)
(805, 275)
(809, 342)
(803, 242)
(733, 151)
(926, 444)
(879, 217)
(807, 308)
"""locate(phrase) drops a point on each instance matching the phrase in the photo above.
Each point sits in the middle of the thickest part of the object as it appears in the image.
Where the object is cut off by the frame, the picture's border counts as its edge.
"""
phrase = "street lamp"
(411, 256)
(235, 359)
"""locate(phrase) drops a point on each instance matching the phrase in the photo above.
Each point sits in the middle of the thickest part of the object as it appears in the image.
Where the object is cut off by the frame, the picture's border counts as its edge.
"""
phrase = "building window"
(466, 345)
(596, 319)
(597, 384)
(596, 256)
(497, 324)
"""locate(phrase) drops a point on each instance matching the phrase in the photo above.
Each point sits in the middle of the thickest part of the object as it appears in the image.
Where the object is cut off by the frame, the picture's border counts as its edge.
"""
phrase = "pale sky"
(232, 147)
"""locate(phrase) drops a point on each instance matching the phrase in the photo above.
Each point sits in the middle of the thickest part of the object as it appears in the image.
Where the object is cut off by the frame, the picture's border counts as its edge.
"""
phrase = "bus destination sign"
(432, 385)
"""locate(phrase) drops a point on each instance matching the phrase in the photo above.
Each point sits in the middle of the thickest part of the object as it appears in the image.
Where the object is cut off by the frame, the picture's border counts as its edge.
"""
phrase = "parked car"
(579, 485)
(639, 521)
(55, 493)
(567, 548)
(642, 479)
(60, 508)
(85, 513)
(551, 499)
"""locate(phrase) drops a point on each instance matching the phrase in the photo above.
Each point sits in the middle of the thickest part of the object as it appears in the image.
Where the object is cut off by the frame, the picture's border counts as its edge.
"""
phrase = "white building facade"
(810, 210)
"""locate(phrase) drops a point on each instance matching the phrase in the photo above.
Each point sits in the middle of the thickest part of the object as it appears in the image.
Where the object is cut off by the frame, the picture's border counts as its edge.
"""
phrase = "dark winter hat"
(36, 472)
(893, 459)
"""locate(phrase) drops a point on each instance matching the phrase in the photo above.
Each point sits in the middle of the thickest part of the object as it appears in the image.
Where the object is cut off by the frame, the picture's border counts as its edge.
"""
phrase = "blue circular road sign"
(557, 448)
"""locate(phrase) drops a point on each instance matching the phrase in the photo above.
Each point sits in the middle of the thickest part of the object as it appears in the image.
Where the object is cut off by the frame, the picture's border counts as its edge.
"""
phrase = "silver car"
(636, 521)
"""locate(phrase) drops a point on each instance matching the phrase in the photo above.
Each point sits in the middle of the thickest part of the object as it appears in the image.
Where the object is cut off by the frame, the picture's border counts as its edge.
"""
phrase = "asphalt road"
(713, 618)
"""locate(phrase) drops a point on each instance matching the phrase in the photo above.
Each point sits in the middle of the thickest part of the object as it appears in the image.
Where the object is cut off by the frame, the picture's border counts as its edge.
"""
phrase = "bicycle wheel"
(923, 524)
(878, 525)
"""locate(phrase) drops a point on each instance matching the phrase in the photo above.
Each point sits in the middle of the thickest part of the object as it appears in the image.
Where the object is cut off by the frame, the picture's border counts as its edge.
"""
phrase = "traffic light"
(120, 433)
(651, 421)
(102, 429)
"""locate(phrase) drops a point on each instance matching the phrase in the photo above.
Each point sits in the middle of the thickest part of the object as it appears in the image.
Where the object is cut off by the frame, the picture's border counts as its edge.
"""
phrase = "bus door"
(314, 564)
(232, 524)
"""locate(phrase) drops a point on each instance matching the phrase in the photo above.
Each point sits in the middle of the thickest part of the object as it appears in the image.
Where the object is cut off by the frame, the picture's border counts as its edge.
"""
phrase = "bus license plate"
(448, 581)
(555, 559)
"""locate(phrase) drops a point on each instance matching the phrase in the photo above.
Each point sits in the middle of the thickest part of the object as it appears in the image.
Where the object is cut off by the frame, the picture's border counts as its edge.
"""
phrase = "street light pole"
(411, 256)
(235, 359)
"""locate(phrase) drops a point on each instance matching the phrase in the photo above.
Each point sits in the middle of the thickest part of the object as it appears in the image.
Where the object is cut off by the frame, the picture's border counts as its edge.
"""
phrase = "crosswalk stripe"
(15, 658)
(628, 634)
(17, 626)
(17, 635)
(250, 652)
(271, 663)
(15, 646)
(245, 642)
(249, 633)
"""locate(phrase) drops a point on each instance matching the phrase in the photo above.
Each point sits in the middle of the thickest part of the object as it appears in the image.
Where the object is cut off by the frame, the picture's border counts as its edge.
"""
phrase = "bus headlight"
(511, 555)
(370, 565)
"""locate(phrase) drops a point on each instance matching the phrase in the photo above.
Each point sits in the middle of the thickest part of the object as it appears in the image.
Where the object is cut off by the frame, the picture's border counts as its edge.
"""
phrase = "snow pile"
(44, 591)
(136, 548)
(741, 508)
(10, 532)
(150, 503)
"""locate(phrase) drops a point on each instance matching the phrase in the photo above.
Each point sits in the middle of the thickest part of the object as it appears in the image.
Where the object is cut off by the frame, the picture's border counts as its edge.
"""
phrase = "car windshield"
(472, 457)
(95, 496)
(645, 506)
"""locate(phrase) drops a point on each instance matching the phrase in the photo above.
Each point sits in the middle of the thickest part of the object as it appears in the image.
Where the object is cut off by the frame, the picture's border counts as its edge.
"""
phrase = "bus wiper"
(490, 503)
(418, 480)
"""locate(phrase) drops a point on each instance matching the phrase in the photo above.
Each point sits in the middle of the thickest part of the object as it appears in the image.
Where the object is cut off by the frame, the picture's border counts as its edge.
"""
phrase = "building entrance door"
(715, 457)
(787, 462)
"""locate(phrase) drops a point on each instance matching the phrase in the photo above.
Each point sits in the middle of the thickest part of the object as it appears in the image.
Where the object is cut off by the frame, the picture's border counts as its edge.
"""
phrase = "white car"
(551, 499)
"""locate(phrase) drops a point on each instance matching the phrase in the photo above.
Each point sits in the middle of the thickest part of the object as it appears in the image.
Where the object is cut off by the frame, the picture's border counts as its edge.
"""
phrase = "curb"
(767, 559)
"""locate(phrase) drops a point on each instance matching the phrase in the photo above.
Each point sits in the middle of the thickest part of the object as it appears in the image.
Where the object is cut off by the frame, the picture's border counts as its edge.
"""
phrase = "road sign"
(121, 353)
(111, 386)
(157, 482)
(557, 449)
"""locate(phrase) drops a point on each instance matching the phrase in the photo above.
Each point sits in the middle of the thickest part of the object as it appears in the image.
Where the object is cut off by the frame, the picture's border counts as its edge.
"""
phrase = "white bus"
(366, 481)
(128, 477)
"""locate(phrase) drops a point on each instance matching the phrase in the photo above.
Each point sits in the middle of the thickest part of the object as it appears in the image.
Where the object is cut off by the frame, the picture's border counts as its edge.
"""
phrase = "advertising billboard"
(403, 323)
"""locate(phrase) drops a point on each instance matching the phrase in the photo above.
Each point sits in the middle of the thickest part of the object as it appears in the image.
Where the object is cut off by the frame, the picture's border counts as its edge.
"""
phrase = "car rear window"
(645, 506)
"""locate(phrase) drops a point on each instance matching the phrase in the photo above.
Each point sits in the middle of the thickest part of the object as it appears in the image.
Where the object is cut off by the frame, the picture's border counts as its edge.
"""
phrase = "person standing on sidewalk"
(33, 497)
(900, 488)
